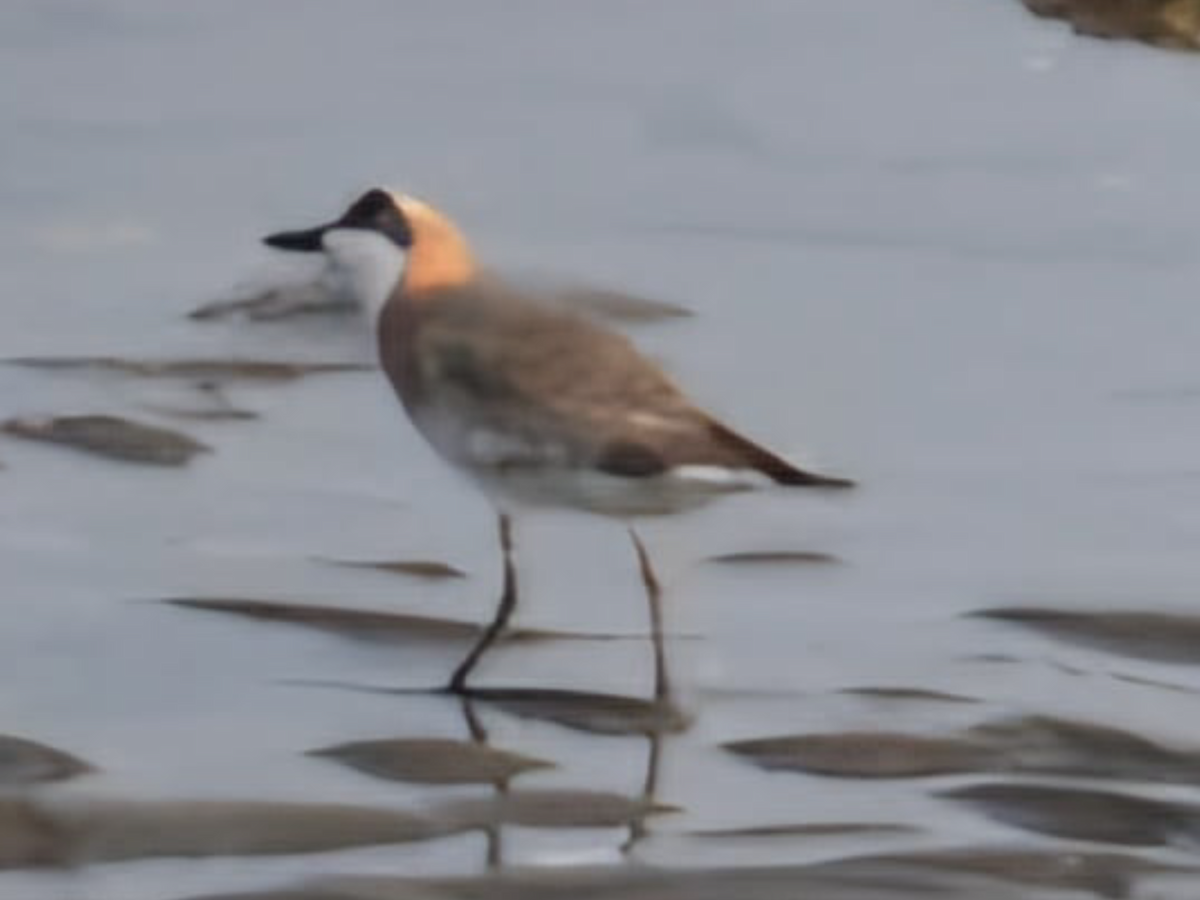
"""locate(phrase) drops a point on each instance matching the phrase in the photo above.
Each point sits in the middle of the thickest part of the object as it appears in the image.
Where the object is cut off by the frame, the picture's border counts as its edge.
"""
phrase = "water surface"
(942, 247)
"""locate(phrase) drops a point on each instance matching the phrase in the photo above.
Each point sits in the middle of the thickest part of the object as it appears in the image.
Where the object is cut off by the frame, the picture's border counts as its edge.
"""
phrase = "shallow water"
(942, 247)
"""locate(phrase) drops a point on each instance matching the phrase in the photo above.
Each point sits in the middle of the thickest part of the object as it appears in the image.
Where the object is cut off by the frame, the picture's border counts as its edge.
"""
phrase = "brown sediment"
(112, 437)
(1174, 24)
(431, 760)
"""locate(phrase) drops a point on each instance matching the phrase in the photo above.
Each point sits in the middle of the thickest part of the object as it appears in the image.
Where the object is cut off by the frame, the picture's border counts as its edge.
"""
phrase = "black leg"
(662, 688)
(504, 611)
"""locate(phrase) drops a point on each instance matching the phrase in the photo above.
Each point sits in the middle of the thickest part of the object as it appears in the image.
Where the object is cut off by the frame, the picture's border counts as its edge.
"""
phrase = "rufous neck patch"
(440, 256)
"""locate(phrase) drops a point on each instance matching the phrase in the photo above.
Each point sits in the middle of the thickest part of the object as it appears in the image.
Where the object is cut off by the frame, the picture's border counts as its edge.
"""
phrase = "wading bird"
(540, 404)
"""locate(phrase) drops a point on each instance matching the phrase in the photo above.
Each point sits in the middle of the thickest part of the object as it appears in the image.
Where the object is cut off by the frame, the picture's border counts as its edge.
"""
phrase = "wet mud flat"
(1085, 794)
(988, 877)
(236, 587)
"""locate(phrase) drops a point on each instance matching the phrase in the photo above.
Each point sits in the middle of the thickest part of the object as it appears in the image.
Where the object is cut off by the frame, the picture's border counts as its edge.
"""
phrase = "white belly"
(515, 471)
(610, 495)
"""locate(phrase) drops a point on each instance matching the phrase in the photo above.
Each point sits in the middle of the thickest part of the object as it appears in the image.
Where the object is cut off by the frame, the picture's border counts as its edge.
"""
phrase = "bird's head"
(385, 239)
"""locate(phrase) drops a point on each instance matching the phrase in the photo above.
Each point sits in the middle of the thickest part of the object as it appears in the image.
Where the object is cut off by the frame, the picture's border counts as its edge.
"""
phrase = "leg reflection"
(493, 832)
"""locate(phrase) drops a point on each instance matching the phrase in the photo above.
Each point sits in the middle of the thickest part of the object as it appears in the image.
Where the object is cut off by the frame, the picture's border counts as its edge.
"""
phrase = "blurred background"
(947, 248)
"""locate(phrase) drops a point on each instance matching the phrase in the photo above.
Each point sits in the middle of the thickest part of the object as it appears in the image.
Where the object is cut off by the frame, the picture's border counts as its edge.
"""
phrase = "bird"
(539, 403)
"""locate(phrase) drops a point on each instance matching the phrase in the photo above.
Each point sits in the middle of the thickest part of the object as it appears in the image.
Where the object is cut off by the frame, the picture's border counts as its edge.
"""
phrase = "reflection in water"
(35, 833)
(576, 702)
(662, 689)
(960, 309)
(87, 831)
(493, 832)
(652, 725)
(649, 795)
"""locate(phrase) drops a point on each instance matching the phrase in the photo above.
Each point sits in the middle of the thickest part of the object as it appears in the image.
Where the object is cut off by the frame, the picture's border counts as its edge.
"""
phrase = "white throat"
(366, 265)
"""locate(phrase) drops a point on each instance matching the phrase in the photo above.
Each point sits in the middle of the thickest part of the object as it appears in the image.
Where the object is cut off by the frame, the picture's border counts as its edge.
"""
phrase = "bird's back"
(546, 383)
(501, 381)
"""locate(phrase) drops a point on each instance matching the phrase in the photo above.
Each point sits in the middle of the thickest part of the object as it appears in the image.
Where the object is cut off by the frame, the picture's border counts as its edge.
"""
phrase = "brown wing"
(553, 386)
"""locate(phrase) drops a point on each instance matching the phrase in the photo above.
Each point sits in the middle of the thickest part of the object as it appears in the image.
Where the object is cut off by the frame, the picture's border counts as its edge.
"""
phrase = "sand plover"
(539, 403)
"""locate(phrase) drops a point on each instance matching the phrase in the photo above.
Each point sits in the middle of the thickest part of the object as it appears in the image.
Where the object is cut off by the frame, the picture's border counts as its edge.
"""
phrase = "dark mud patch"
(593, 713)
(864, 754)
(279, 304)
(371, 626)
(1085, 815)
(551, 809)
(194, 369)
(427, 569)
(431, 761)
(311, 300)
(775, 558)
(1030, 745)
(906, 695)
(808, 830)
(1154, 636)
(1174, 24)
(850, 880)
(111, 437)
(58, 833)
(1047, 745)
(1112, 875)
(24, 762)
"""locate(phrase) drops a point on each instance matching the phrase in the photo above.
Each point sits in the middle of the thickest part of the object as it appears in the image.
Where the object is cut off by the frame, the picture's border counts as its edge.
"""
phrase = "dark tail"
(774, 467)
